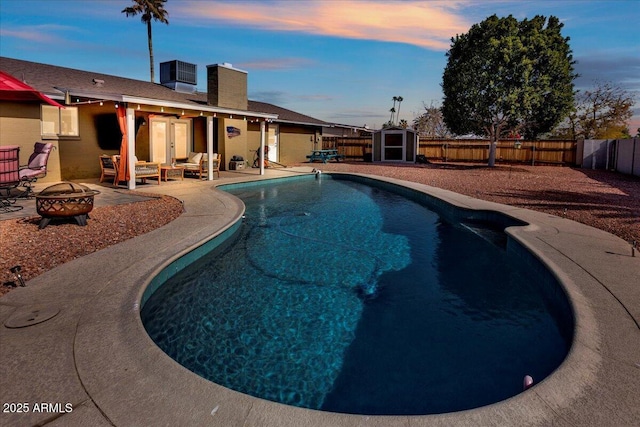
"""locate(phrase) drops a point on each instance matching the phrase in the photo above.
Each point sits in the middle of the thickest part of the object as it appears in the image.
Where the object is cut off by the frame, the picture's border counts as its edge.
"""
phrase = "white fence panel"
(621, 155)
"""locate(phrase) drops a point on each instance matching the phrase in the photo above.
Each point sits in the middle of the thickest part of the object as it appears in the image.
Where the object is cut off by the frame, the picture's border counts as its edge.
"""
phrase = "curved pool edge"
(99, 357)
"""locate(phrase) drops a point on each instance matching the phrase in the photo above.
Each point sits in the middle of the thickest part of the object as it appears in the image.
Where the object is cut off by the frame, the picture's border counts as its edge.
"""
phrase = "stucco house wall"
(20, 125)
(235, 145)
(142, 137)
(296, 142)
(199, 132)
(253, 142)
(98, 134)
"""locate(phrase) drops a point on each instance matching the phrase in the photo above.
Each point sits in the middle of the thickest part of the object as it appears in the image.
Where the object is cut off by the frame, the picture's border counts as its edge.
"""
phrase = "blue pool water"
(344, 297)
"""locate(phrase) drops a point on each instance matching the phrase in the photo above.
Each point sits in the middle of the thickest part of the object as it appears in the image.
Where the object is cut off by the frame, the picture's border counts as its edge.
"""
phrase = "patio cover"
(12, 89)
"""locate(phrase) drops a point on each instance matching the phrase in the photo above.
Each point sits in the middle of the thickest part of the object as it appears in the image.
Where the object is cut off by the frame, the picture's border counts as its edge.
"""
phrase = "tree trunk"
(493, 145)
(150, 51)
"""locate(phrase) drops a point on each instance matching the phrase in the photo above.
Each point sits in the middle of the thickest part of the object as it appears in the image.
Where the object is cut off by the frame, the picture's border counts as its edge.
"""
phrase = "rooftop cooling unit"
(179, 76)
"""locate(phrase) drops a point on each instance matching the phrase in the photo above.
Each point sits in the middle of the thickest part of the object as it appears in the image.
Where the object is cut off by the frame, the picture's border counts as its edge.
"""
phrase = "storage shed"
(395, 144)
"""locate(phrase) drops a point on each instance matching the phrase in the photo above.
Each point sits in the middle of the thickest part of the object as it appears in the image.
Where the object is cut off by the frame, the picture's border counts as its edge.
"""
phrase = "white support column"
(131, 147)
(210, 148)
(262, 139)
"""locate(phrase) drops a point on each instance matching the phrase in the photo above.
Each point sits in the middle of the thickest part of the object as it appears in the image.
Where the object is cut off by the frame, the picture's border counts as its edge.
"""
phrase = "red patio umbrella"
(12, 89)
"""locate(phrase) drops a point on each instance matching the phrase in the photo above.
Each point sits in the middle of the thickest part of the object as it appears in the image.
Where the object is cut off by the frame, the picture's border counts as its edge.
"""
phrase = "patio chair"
(108, 168)
(197, 164)
(9, 177)
(216, 160)
(37, 166)
(142, 169)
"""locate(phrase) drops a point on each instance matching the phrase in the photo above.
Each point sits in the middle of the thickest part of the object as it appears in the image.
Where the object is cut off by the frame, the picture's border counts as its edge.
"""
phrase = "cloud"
(624, 70)
(276, 64)
(314, 97)
(270, 97)
(357, 114)
(429, 25)
(284, 98)
(37, 33)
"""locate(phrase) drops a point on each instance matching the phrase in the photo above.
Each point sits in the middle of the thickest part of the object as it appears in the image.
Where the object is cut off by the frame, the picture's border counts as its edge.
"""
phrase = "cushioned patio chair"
(107, 168)
(9, 177)
(216, 159)
(37, 166)
(196, 164)
(142, 169)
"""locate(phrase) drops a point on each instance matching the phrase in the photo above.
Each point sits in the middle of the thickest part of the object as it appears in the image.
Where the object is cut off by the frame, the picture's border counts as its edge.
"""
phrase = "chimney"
(227, 86)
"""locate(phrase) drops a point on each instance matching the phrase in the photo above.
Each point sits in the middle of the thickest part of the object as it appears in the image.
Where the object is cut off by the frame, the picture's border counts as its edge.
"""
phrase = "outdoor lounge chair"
(142, 169)
(196, 164)
(9, 177)
(37, 166)
(107, 168)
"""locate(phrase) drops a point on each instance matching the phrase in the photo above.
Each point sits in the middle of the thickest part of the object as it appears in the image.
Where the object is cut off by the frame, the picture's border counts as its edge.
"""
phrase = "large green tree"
(506, 76)
(148, 10)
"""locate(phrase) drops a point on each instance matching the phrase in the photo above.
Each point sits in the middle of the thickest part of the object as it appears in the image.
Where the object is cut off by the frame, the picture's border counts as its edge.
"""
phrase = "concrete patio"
(95, 355)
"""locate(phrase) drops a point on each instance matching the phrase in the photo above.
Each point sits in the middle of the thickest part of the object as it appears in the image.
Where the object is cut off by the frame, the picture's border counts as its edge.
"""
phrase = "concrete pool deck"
(95, 355)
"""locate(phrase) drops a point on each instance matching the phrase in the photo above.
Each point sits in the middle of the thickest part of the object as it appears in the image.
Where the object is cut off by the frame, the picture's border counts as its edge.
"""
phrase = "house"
(160, 121)
(346, 131)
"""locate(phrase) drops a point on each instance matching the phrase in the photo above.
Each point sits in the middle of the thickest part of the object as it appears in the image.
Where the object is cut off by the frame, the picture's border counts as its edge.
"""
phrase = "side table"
(168, 171)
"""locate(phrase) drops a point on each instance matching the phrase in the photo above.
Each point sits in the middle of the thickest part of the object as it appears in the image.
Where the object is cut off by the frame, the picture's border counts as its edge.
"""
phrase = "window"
(59, 121)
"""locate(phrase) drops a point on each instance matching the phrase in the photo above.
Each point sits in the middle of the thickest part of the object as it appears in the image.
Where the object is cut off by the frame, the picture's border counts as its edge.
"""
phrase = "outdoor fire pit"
(65, 200)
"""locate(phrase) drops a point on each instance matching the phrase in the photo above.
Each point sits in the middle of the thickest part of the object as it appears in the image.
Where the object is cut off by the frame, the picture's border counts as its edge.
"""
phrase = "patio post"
(262, 138)
(131, 147)
(210, 148)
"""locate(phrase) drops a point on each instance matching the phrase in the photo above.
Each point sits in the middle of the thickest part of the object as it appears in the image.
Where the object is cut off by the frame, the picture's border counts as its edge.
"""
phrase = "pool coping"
(96, 355)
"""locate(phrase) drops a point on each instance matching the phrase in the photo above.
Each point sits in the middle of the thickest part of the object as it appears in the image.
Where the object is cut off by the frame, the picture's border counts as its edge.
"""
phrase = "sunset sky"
(339, 61)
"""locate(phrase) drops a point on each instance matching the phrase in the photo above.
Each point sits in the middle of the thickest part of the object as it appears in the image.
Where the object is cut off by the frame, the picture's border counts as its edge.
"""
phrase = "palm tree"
(393, 110)
(148, 9)
(399, 99)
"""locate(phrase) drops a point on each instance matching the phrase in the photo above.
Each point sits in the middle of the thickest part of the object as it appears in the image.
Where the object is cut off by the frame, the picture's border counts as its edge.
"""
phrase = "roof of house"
(55, 81)
(285, 115)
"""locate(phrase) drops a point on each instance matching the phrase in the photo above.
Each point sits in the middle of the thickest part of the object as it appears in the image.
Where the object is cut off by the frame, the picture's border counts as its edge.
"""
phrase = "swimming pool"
(346, 297)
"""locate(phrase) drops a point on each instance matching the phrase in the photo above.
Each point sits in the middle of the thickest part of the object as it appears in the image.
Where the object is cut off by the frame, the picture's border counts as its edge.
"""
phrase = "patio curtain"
(123, 164)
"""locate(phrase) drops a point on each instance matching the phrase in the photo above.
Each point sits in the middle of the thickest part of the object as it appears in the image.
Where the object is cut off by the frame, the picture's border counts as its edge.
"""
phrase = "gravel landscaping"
(38, 251)
(601, 199)
(606, 200)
